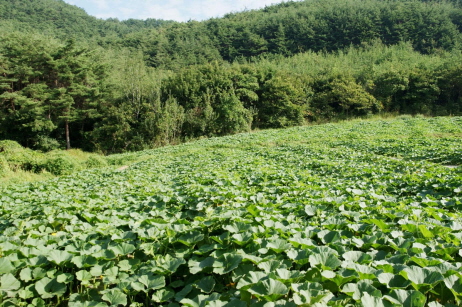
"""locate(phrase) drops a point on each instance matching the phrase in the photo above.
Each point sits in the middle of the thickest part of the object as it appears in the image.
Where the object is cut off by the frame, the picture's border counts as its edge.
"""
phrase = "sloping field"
(361, 213)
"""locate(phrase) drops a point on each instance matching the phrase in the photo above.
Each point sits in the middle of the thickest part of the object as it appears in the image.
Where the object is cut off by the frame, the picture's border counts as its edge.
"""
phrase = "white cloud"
(179, 10)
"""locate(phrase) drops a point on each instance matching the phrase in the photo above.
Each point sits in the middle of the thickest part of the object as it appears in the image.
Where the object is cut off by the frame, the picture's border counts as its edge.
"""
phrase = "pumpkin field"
(356, 213)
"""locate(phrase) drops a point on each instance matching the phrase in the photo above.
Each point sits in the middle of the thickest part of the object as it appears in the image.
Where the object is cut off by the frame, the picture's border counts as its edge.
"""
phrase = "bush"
(60, 165)
(341, 96)
(4, 167)
(45, 143)
(20, 158)
(96, 161)
(8, 146)
(282, 103)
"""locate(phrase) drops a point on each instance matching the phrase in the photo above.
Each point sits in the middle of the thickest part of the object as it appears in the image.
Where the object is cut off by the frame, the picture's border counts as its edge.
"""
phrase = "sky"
(178, 10)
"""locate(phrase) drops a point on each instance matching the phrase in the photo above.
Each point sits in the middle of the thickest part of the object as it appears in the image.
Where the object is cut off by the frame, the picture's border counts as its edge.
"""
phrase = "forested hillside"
(71, 80)
(59, 19)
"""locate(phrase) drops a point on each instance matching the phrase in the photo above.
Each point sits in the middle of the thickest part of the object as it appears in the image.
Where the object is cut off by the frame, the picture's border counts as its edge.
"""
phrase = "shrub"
(8, 146)
(282, 103)
(341, 96)
(95, 161)
(4, 167)
(46, 143)
(20, 158)
(60, 165)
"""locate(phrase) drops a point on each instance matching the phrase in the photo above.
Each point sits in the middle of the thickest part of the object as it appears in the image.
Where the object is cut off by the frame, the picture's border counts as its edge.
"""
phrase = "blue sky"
(178, 10)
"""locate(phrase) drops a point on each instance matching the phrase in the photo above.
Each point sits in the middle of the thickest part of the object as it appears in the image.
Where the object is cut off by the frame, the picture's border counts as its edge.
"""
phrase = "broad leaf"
(163, 295)
(9, 283)
(58, 256)
(405, 298)
(226, 263)
(269, 289)
(48, 288)
(115, 297)
(206, 284)
(325, 260)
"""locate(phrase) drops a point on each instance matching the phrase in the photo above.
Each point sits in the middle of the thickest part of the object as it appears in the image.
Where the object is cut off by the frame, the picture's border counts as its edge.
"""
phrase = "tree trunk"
(68, 140)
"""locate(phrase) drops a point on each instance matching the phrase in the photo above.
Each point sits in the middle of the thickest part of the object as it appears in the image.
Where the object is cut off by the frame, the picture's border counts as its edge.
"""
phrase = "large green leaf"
(324, 260)
(58, 256)
(6, 266)
(191, 238)
(26, 274)
(206, 284)
(84, 261)
(115, 297)
(250, 278)
(128, 265)
(329, 237)
(356, 290)
(48, 288)
(302, 242)
(421, 277)
(381, 224)
(169, 264)
(376, 301)
(364, 271)
(237, 227)
(454, 284)
(163, 295)
(271, 265)
(196, 266)
(200, 300)
(83, 276)
(269, 289)
(9, 284)
(278, 245)
(393, 281)
(405, 298)
(233, 303)
(242, 238)
(308, 294)
(149, 282)
(357, 256)
(226, 263)
(284, 274)
(122, 249)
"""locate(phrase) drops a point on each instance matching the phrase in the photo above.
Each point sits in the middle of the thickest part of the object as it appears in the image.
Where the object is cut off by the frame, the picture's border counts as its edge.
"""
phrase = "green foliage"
(282, 103)
(59, 164)
(10, 147)
(116, 86)
(60, 19)
(211, 97)
(46, 143)
(95, 161)
(4, 166)
(359, 213)
(50, 86)
(23, 164)
(342, 96)
(20, 158)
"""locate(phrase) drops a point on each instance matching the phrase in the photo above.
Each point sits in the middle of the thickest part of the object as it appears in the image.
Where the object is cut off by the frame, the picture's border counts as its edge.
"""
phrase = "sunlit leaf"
(115, 297)
(269, 289)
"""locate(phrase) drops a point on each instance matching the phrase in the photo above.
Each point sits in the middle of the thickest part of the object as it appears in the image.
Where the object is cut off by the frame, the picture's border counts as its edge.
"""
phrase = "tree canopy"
(71, 80)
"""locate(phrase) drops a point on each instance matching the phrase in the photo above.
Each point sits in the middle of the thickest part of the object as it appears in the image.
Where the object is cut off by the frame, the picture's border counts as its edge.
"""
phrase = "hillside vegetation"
(361, 213)
(69, 80)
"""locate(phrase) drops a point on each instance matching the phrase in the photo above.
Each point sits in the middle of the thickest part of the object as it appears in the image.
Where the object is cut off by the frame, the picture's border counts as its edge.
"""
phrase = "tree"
(341, 96)
(47, 87)
(75, 84)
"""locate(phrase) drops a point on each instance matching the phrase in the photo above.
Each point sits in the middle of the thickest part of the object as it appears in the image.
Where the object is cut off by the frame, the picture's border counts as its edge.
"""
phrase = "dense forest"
(71, 80)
